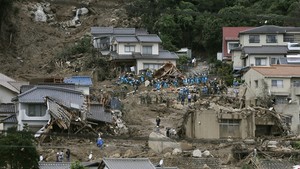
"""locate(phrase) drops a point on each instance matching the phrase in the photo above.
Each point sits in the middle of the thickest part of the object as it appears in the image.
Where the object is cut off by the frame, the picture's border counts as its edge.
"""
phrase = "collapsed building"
(212, 121)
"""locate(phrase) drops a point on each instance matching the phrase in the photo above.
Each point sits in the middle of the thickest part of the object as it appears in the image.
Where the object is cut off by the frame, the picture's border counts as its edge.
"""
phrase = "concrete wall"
(268, 59)
(205, 125)
(292, 109)
(23, 118)
(6, 95)
(140, 63)
(237, 61)
(244, 40)
(138, 48)
(253, 91)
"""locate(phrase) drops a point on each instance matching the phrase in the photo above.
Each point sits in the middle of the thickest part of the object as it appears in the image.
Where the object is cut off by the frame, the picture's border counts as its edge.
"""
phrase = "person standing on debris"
(100, 142)
(41, 158)
(57, 156)
(182, 99)
(157, 121)
(189, 98)
(195, 98)
(68, 154)
(61, 156)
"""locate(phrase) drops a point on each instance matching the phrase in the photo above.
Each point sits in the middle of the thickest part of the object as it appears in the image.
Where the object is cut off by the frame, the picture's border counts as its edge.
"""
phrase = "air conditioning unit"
(251, 65)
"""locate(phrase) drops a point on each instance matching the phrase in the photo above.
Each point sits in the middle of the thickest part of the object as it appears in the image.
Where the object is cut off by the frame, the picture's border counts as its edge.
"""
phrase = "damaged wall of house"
(220, 125)
(293, 110)
(213, 121)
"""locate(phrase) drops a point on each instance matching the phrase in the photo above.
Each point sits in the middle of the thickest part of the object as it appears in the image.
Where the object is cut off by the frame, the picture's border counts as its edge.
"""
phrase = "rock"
(205, 166)
(176, 151)
(40, 15)
(167, 155)
(249, 141)
(177, 106)
(206, 153)
(159, 142)
(197, 153)
(186, 146)
(128, 153)
(116, 155)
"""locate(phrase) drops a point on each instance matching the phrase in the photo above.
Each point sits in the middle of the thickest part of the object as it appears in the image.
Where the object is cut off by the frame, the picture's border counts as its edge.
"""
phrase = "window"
(129, 48)
(254, 39)
(281, 100)
(232, 45)
(154, 66)
(271, 39)
(260, 61)
(296, 83)
(147, 49)
(256, 83)
(277, 83)
(288, 38)
(36, 110)
(275, 61)
(230, 127)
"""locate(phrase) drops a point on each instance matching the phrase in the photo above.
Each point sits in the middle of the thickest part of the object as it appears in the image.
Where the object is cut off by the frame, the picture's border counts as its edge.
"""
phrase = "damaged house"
(44, 107)
(132, 50)
(279, 84)
(219, 122)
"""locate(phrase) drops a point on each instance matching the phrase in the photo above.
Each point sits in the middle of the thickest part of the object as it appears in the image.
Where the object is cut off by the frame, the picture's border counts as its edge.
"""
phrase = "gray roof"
(10, 119)
(275, 164)
(111, 30)
(128, 163)
(149, 38)
(265, 49)
(166, 168)
(7, 108)
(267, 29)
(124, 31)
(97, 113)
(67, 97)
(102, 30)
(117, 31)
(163, 55)
(126, 39)
(64, 165)
(25, 88)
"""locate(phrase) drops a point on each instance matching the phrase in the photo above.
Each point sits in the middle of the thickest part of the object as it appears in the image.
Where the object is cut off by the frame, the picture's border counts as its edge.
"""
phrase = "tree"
(18, 150)
(77, 165)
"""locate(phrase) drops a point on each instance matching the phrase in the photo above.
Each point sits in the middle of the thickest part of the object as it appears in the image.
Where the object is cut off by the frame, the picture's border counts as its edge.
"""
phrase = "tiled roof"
(68, 97)
(279, 70)
(117, 31)
(97, 113)
(275, 164)
(10, 119)
(63, 165)
(124, 31)
(231, 34)
(10, 83)
(79, 80)
(149, 38)
(265, 49)
(5, 78)
(126, 39)
(102, 30)
(7, 108)
(163, 55)
(270, 29)
(128, 163)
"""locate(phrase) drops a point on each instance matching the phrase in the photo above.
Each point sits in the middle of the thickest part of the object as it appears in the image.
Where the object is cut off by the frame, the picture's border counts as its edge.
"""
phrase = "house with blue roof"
(131, 50)
(82, 83)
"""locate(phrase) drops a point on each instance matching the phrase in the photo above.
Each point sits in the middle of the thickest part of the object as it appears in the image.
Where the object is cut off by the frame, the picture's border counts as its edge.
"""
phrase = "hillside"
(29, 47)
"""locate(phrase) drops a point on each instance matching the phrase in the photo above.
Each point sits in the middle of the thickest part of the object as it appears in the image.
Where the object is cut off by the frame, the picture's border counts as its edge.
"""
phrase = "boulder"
(197, 153)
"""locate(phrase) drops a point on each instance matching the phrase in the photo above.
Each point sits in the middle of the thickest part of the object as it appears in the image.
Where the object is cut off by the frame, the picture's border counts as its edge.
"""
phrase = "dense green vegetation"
(18, 150)
(197, 24)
